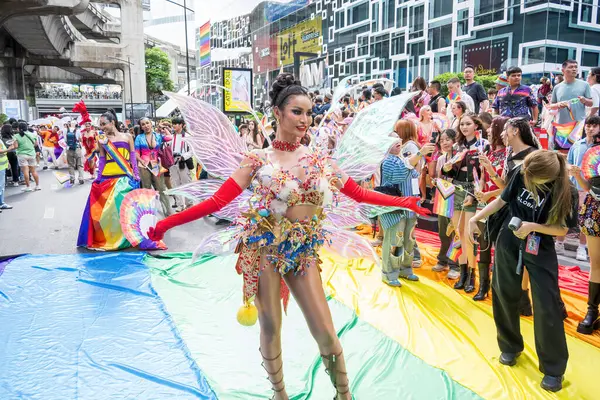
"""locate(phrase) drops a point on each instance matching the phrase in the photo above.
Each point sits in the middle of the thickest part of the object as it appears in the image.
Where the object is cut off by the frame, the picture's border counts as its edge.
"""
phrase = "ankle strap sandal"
(330, 362)
(274, 374)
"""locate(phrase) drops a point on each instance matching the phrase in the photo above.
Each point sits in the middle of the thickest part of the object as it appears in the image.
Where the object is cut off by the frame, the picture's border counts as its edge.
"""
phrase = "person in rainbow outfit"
(117, 175)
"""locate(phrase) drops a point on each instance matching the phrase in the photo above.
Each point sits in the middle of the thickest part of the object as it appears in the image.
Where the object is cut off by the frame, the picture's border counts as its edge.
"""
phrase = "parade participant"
(427, 128)
(501, 82)
(24, 145)
(445, 144)
(398, 176)
(89, 140)
(117, 175)
(283, 229)
(147, 146)
(516, 100)
(593, 79)
(542, 203)
(3, 167)
(50, 141)
(589, 222)
(493, 163)
(474, 89)
(254, 139)
(465, 170)
(566, 94)
(74, 160)
(459, 108)
(184, 164)
(457, 94)
(8, 139)
(437, 101)
(422, 98)
(366, 99)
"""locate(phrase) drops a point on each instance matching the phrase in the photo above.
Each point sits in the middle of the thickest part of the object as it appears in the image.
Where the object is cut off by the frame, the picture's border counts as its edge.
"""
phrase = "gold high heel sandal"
(273, 374)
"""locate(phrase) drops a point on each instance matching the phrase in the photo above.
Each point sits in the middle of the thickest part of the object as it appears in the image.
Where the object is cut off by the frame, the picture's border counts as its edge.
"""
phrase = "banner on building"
(488, 58)
(276, 11)
(306, 37)
(237, 96)
(205, 44)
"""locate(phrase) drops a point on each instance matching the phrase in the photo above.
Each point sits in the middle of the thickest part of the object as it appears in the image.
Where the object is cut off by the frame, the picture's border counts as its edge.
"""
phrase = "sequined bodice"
(277, 189)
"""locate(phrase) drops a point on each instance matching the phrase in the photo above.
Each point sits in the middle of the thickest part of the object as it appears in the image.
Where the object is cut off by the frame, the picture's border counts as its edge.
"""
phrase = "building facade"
(322, 41)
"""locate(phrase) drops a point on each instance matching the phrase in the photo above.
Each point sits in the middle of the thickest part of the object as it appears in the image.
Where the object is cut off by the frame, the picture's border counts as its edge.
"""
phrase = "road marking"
(49, 213)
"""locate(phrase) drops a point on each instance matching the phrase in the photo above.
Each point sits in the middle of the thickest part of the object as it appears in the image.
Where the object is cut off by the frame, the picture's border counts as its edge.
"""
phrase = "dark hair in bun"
(111, 116)
(283, 88)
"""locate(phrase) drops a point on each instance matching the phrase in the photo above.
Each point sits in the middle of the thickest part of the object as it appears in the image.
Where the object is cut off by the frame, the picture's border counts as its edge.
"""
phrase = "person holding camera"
(184, 163)
(542, 203)
(400, 177)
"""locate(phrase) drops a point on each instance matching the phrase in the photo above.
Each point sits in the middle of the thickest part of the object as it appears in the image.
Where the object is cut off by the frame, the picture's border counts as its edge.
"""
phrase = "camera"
(515, 223)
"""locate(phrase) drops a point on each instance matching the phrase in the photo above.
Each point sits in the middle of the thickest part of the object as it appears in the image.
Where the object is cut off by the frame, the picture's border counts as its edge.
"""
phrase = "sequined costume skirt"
(288, 247)
(589, 216)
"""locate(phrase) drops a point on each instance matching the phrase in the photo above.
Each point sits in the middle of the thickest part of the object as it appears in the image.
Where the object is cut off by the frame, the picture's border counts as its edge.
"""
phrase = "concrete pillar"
(11, 82)
(132, 40)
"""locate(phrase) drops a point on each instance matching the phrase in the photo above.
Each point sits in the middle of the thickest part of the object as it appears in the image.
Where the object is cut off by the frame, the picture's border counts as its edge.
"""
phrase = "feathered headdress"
(82, 109)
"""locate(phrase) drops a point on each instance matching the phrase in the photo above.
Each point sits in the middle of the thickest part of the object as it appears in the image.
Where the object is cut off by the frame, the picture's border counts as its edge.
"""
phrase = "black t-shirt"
(524, 206)
(511, 161)
(477, 92)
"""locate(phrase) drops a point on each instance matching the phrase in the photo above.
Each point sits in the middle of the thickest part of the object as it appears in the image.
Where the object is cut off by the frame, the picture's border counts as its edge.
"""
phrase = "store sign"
(238, 90)
(312, 75)
(275, 11)
(488, 58)
(302, 38)
(265, 52)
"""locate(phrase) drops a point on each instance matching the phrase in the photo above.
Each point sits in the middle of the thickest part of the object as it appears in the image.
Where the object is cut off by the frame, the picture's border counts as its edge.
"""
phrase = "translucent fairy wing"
(349, 244)
(367, 139)
(203, 189)
(347, 213)
(219, 243)
(212, 137)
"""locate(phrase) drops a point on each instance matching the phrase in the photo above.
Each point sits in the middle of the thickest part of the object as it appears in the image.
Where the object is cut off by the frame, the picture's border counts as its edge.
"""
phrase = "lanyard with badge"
(532, 243)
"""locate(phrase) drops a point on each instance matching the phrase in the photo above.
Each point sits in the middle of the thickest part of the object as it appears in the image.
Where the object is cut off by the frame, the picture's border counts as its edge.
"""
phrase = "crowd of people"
(510, 198)
(58, 93)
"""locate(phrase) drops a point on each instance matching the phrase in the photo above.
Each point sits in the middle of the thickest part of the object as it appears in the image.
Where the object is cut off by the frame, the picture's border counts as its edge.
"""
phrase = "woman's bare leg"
(457, 221)
(268, 303)
(465, 242)
(26, 175)
(308, 292)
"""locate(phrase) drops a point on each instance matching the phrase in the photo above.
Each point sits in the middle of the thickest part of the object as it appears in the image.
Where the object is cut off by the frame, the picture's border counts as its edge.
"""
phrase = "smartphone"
(433, 137)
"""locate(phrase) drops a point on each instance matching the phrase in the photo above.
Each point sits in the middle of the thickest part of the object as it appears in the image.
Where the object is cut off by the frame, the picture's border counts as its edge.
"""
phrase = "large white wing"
(212, 137)
(367, 139)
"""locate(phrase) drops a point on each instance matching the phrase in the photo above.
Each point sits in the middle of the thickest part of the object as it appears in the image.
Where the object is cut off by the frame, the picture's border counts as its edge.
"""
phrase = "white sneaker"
(37, 188)
(6, 207)
(559, 247)
(27, 189)
(452, 274)
(439, 268)
(581, 254)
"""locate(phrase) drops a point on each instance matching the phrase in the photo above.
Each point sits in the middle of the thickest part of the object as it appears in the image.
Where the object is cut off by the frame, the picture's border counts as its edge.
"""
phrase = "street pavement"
(47, 222)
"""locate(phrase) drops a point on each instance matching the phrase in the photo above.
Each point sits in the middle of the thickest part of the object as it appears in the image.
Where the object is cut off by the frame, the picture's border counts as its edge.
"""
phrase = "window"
(398, 43)
(585, 11)
(556, 55)
(442, 65)
(350, 52)
(439, 8)
(401, 17)
(417, 17)
(363, 46)
(374, 17)
(589, 58)
(357, 14)
(462, 26)
(387, 19)
(440, 37)
(489, 11)
(339, 20)
(380, 46)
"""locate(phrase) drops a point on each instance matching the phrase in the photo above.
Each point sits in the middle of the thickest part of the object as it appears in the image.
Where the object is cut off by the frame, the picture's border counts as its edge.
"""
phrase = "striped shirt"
(396, 171)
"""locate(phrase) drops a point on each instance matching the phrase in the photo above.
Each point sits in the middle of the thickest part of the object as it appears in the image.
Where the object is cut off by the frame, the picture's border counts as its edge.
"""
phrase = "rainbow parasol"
(590, 164)
(441, 120)
(138, 213)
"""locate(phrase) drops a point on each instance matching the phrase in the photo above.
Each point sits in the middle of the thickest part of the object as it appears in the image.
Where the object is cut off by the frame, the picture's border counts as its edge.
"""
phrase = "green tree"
(487, 81)
(3, 118)
(158, 69)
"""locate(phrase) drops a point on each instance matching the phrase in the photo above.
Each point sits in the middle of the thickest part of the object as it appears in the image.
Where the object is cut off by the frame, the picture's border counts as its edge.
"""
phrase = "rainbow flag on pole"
(443, 202)
(455, 250)
(205, 44)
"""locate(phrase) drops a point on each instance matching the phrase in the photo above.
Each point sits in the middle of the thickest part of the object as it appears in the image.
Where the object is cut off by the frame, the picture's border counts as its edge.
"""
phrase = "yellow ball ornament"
(247, 314)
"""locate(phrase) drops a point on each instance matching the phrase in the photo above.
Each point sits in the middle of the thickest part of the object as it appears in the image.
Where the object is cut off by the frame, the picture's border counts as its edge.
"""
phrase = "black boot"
(525, 304)
(463, 277)
(591, 321)
(470, 283)
(484, 282)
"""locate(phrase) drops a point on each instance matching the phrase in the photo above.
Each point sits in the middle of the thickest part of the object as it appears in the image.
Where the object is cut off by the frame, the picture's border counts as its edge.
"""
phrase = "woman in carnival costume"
(117, 175)
(285, 225)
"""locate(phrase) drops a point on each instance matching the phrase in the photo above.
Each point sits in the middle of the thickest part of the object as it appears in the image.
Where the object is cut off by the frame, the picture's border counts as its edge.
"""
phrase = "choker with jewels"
(285, 146)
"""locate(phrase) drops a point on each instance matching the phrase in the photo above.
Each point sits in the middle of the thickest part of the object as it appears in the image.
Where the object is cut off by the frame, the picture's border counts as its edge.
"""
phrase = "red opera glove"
(355, 192)
(225, 195)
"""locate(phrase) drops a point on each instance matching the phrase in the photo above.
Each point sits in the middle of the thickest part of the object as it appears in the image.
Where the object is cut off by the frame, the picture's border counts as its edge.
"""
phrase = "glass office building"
(322, 41)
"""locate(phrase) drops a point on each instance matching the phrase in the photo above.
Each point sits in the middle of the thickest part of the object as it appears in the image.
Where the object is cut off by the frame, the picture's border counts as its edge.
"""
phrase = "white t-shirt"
(596, 95)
